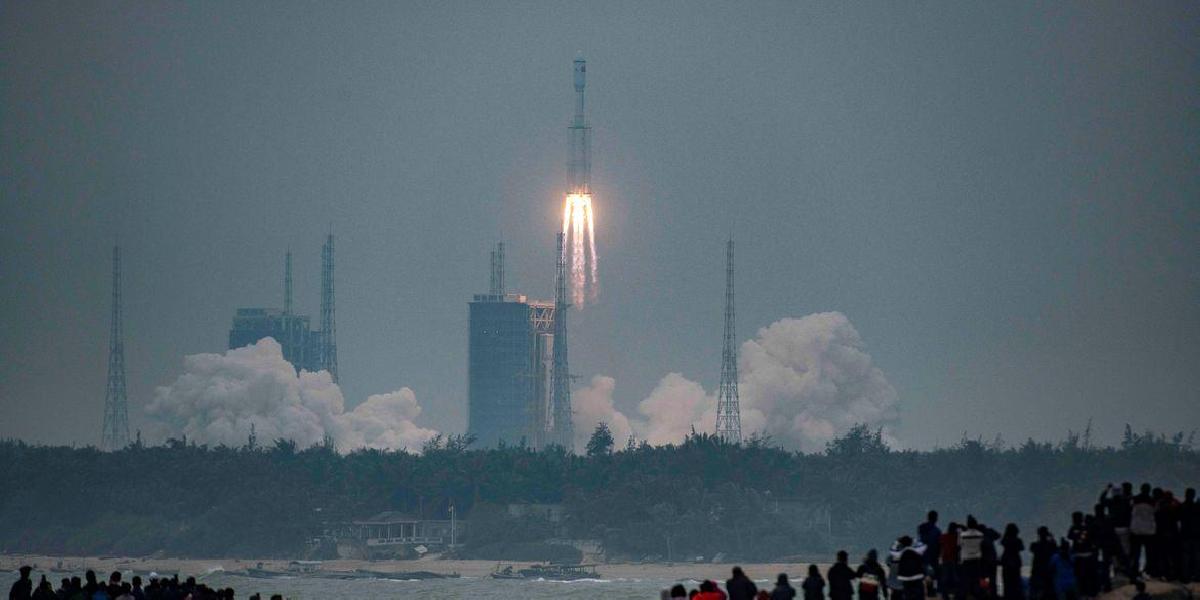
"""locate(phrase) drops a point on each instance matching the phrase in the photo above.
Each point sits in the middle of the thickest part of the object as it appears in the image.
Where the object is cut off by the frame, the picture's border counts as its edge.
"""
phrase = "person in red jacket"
(948, 574)
(710, 591)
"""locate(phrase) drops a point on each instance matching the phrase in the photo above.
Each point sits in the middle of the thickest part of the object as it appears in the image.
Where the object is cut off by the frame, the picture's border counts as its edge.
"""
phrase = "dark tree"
(601, 441)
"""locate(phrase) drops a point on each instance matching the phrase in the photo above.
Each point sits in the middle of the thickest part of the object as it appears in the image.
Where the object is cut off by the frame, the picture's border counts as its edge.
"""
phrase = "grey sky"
(1003, 198)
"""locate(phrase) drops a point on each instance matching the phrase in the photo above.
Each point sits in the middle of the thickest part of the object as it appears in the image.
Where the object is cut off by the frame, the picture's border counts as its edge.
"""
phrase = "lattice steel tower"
(328, 327)
(729, 414)
(563, 432)
(115, 435)
(289, 342)
(497, 279)
(287, 283)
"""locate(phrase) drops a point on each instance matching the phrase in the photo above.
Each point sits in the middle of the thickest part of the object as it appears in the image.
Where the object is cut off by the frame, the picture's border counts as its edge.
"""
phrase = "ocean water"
(303, 588)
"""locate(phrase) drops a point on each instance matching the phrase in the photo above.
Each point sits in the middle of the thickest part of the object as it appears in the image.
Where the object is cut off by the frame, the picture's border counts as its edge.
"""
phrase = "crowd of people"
(88, 588)
(1149, 534)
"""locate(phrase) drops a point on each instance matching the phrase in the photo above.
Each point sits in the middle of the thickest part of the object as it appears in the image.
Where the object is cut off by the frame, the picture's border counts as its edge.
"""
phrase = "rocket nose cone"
(580, 73)
(579, 56)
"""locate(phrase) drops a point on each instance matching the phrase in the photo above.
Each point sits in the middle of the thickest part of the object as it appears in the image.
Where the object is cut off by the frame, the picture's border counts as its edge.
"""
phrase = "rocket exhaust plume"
(578, 220)
(580, 230)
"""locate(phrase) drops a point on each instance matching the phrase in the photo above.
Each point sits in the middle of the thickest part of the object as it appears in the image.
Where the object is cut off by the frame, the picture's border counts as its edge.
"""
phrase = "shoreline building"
(510, 357)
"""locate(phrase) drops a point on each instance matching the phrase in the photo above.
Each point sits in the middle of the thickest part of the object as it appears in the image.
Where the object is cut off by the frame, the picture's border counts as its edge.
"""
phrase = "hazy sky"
(1004, 199)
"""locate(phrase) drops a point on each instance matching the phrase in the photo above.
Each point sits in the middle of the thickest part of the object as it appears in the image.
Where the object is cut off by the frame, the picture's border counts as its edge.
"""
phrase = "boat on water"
(371, 574)
(506, 572)
(407, 575)
(304, 567)
(547, 571)
(259, 572)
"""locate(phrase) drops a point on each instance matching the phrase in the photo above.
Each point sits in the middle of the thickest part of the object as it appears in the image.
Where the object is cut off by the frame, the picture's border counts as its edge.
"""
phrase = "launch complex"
(518, 372)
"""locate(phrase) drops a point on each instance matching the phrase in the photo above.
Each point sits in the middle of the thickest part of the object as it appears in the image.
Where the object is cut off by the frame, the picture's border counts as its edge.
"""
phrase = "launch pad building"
(509, 360)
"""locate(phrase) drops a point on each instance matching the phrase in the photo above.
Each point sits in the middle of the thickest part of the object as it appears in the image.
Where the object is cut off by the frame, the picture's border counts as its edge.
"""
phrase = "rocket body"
(579, 162)
(578, 232)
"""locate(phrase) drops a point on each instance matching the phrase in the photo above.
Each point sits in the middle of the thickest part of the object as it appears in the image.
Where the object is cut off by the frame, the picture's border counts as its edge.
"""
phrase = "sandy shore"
(467, 568)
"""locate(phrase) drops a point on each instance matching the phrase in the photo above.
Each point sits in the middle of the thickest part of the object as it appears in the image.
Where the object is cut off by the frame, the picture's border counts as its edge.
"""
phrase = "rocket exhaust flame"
(579, 229)
(594, 284)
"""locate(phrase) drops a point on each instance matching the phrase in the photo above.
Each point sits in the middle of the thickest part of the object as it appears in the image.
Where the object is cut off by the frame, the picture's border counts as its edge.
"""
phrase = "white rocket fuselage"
(579, 163)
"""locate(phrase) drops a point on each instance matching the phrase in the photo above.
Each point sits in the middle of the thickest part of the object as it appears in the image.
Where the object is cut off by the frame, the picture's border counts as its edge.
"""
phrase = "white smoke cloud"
(675, 406)
(384, 422)
(220, 396)
(592, 405)
(802, 381)
(805, 381)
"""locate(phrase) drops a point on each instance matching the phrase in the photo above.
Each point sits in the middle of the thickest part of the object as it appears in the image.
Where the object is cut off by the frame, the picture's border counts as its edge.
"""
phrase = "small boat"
(258, 572)
(548, 571)
(264, 573)
(404, 575)
(506, 572)
(303, 567)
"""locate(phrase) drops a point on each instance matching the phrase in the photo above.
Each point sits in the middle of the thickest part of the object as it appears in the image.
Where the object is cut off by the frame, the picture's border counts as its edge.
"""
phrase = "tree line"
(703, 497)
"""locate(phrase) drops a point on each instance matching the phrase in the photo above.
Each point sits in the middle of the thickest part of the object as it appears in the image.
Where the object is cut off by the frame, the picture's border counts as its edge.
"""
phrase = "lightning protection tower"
(290, 341)
(563, 433)
(328, 327)
(115, 435)
(497, 279)
(729, 416)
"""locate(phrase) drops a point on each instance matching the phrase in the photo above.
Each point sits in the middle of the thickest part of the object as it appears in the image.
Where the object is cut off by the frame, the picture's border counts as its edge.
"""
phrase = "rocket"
(579, 161)
(580, 82)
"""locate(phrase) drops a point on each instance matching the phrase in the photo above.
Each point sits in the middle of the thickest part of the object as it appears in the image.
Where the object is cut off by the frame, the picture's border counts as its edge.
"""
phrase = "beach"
(466, 568)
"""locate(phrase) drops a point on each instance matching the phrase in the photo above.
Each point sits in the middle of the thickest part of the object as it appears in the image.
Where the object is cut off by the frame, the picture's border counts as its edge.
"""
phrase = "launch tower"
(562, 432)
(328, 329)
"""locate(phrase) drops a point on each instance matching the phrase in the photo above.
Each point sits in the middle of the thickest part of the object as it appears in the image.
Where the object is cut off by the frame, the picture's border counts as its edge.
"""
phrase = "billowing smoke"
(220, 396)
(676, 406)
(802, 382)
(805, 381)
(594, 404)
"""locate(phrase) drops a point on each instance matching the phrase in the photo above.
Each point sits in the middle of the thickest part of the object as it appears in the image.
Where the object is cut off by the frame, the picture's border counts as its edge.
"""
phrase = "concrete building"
(306, 348)
(510, 353)
(301, 345)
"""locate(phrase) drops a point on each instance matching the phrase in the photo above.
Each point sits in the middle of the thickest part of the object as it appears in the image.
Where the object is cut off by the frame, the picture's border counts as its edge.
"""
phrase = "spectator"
(841, 578)
(740, 587)
(783, 590)
(1108, 549)
(814, 584)
(1063, 568)
(970, 560)
(910, 566)
(871, 577)
(930, 536)
(22, 588)
(1141, 530)
(948, 580)
(1010, 563)
(1083, 553)
(1189, 533)
(708, 591)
